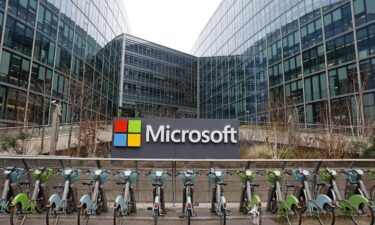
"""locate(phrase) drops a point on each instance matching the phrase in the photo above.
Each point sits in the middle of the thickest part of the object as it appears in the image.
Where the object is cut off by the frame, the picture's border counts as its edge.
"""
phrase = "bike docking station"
(185, 170)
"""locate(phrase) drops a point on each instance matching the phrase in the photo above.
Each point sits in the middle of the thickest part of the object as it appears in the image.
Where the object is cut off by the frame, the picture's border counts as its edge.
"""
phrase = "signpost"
(175, 138)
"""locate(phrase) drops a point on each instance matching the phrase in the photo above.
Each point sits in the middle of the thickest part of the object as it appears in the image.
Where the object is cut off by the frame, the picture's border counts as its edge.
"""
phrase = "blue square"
(120, 140)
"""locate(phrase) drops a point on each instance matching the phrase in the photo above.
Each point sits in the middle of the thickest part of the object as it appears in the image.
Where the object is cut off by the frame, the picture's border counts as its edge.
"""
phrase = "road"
(143, 217)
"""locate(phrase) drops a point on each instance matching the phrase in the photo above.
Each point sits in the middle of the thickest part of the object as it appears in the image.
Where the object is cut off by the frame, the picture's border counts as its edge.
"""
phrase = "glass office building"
(314, 59)
(59, 50)
(158, 81)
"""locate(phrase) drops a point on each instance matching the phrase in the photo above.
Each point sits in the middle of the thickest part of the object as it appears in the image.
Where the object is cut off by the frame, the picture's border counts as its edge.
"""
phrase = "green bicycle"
(22, 205)
(250, 203)
(288, 207)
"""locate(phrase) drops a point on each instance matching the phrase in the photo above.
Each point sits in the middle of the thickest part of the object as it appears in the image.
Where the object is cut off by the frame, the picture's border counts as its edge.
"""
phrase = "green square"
(135, 126)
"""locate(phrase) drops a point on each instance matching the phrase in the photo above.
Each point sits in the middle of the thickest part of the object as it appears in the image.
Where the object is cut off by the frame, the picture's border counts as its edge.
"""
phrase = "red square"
(121, 126)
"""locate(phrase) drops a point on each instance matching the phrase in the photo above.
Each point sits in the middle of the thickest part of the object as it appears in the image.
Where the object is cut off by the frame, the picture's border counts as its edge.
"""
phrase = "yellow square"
(134, 140)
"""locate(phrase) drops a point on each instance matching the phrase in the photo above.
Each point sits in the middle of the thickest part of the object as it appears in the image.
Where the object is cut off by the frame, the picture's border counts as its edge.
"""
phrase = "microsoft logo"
(127, 133)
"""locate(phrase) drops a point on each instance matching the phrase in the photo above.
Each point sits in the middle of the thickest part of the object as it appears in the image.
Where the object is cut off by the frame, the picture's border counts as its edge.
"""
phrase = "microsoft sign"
(175, 138)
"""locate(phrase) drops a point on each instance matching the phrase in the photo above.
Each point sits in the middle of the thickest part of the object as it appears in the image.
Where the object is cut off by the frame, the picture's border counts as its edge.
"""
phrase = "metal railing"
(173, 188)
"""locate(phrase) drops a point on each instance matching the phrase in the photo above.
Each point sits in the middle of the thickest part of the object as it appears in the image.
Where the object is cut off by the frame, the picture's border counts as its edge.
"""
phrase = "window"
(364, 11)
(63, 60)
(369, 107)
(311, 34)
(340, 50)
(294, 92)
(316, 113)
(291, 44)
(12, 103)
(41, 79)
(44, 49)
(313, 60)
(276, 96)
(316, 87)
(367, 68)
(366, 41)
(338, 21)
(47, 22)
(60, 86)
(66, 33)
(343, 80)
(343, 111)
(292, 68)
(274, 52)
(18, 36)
(23, 9)
(14, 69)
(275, 74)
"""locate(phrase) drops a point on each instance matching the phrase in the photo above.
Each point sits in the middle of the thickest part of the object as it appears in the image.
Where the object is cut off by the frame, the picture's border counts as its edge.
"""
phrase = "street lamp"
(55, 126)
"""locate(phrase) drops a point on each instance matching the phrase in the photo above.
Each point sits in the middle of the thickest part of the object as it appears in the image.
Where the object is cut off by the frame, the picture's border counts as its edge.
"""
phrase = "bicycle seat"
(254, 185)
(156, 184)
(189, 184)
(120, 183)
(87, 183)
(41, 168)
(289, 185)
(320, 184)
(222, 183)
(24, 183)
(58, 187)
(10, 168)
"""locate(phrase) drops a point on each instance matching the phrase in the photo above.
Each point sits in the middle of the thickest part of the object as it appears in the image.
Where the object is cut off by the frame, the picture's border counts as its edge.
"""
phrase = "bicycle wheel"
(294, 216)
(372, 193)
(16, 215)
(156, 215)
(13, 191)
(52, 217)
(364, 215)
(327, 216)
(257, 220)
(70, 204)
(82, 216)
(301, 196)
(189, 214)
(223, 216)
(273, 202)
(41, 201)
(100, 202)
(117, 217)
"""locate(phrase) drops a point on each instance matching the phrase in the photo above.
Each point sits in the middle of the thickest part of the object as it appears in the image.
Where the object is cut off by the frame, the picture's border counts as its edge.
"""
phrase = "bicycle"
(372, 191)
(125, 203)
(187, 178)
(159, 177)
(11, 187)
(250, 203)
(356, 206)
(218, 202)
(322, 206)
(58, 205)
(289, 207)
(94, 204)
(22, 205)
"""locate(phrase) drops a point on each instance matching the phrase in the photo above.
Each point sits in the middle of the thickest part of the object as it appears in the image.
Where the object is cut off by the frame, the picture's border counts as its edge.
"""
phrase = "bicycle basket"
(183, 178)
(17, 174)
(243, 176)
(133, 177)
(325, 175)
(154, 178)
(271, 175)
(44, 175)
(74, 175)
(213, 178)
(297, 176)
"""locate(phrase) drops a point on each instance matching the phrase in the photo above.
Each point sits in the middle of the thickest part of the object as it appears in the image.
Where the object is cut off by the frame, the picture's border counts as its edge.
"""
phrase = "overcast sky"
(173, 23)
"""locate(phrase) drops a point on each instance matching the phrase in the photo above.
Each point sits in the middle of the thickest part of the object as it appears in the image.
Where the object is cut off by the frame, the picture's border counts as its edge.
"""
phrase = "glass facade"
(158, 81)
(54, 49)
(314, 57)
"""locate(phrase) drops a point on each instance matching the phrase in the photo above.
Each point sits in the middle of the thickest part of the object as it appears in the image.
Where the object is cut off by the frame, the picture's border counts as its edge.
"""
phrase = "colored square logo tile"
(134, 140)
(120, 140)
(135, 126)
(121, 126)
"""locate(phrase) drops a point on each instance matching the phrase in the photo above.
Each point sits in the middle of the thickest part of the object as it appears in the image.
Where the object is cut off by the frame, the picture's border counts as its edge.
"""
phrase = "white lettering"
(213, 136)
(173, 136)
(205, 136)
(198, 136)
(155, 137)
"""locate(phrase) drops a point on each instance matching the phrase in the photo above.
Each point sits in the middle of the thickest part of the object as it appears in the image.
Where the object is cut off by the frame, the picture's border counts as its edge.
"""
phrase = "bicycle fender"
(21, 198)
(321, 200)
(256, 200)
(54, 199)
(85, 200)
(222, 201)
(119, 202)
(357, 200)
(292, 200)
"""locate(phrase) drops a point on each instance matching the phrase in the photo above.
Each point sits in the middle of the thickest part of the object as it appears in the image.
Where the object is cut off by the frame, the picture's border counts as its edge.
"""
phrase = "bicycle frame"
(221, 202)
(189, 204)
(122, 201)
(156, 206)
